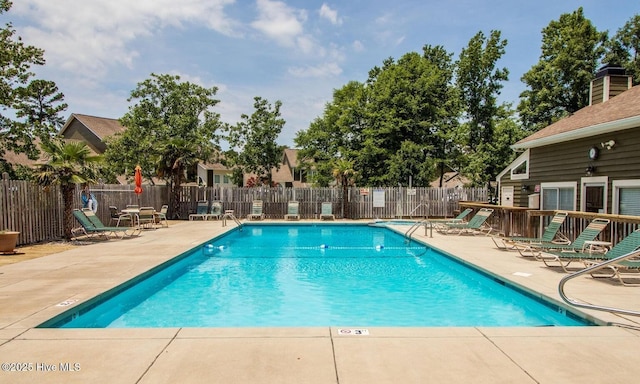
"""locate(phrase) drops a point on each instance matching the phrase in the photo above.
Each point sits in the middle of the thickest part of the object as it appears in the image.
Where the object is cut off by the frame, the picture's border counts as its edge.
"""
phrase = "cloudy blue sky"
(294, 51)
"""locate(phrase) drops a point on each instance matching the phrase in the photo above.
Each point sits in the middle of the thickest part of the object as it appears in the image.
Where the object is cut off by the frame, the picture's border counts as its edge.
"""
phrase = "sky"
(294, 51)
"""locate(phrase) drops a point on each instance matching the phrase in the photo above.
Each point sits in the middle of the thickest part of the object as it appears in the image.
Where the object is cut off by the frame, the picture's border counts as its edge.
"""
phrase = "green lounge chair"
(256, 211)
(623, 269)
(326, 212)
(94, 226)
(563, 259)
(292, 211)
(476, 224)
(461, 216)
(201, 211)
(123, 231)
(551, 235)
(589, 234)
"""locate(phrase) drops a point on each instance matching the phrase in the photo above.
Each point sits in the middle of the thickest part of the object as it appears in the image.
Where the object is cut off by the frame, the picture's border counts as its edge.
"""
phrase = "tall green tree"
(409, 100)
(490, 157)
(67, 165)
(624, 48)
(404, 113)
(479, 82)
(337, 134)
(558, 84)
(254, 137)
(169, 129)
(29, 108)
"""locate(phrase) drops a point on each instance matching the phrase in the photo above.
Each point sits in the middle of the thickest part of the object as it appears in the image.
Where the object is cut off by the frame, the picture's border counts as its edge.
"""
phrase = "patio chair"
(586, 255)
(162, 215)
(91, 225)
(326, 212)
(551, 234)
(256, 211)
(201, 211)
(215, 211)
(118, 216)
(475, 225)
(622, 270)
(589, 234)
(147, 218)
(461, 216)
(292, 211)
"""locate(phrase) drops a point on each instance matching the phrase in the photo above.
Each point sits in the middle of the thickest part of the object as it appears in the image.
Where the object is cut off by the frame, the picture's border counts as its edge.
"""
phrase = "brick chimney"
(611, 80)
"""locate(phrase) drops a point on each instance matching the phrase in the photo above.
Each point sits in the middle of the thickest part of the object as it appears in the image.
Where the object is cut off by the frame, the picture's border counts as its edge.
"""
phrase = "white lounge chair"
(215, 212)
(292, 211)
(201, 211)
(256, 211)
(327, 211)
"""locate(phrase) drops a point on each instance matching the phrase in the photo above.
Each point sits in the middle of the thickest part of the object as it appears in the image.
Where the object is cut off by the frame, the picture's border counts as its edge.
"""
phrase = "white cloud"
(330, 14)
(321, 70)
(86, 37)
(358, 46)
(279, 21)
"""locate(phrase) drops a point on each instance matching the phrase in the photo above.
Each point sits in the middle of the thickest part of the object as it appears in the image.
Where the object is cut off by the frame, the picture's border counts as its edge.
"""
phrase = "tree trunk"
(67, 203)
(177, 208)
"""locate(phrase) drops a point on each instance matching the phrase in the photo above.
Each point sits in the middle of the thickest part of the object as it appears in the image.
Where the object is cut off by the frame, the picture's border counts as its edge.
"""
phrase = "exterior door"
(594, 194)
(506, 196)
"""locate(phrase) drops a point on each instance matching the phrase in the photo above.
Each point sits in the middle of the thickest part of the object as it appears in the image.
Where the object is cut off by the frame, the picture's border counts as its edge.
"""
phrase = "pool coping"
(30, 291)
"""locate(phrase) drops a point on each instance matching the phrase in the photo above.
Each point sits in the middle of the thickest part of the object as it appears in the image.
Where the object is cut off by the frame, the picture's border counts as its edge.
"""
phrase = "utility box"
(534, 201)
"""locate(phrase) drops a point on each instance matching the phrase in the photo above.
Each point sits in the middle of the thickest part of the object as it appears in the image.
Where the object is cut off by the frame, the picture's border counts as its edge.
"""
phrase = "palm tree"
(345, 175)
(68, 164)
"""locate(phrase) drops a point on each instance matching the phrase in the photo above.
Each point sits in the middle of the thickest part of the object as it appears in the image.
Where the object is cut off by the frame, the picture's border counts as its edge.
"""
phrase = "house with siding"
(589, 161)
(289, 174)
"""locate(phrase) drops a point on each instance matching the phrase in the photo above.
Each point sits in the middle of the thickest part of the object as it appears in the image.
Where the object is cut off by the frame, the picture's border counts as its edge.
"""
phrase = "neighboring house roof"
(292, 156)
(618, 113)
(214, 166)
(21, 159)
(450, 180)
(102, 127)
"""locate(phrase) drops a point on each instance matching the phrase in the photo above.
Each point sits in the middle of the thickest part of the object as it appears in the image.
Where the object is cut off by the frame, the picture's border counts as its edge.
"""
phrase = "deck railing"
(511, 221)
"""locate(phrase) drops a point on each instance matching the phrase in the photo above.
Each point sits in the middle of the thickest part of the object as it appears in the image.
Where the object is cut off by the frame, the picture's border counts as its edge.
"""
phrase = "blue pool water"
(315, 275)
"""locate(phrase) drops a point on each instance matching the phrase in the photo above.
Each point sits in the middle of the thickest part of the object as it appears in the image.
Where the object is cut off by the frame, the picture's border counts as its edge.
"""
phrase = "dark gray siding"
(569, 161)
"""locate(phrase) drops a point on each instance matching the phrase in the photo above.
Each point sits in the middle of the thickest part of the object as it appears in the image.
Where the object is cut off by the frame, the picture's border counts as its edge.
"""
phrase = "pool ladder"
(415, 226)
(230, 215)
(592, 269)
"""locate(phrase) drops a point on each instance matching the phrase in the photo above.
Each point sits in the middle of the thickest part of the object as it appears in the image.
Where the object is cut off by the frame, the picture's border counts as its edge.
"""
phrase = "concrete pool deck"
(36, 290)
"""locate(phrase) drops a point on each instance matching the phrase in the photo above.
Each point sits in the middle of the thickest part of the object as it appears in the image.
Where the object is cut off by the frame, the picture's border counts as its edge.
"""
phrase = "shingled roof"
(618, 113)
(102, 127)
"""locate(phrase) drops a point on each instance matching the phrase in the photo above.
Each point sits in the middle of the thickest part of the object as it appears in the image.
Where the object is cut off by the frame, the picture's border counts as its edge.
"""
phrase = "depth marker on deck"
(353, 331)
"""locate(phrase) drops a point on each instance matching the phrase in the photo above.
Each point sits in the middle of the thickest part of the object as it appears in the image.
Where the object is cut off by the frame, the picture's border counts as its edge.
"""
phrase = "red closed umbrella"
(138, 179)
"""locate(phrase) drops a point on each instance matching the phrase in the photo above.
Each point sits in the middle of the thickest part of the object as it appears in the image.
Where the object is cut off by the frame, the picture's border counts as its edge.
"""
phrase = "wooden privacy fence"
(36, 212)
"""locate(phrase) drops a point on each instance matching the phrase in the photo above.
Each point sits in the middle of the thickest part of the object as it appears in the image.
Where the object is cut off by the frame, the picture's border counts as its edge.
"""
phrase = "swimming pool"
(314, 275)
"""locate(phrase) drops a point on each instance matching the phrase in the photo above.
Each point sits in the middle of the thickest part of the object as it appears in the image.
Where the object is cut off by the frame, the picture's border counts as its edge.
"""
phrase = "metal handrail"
(591, 269)
(231, 216)
(415, 226)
